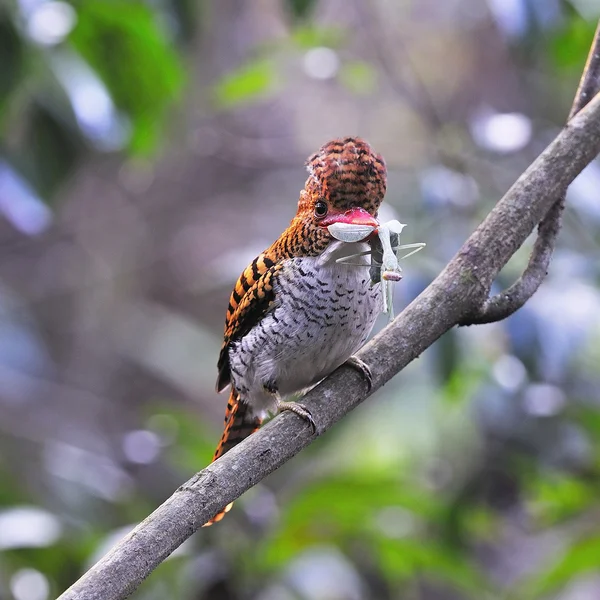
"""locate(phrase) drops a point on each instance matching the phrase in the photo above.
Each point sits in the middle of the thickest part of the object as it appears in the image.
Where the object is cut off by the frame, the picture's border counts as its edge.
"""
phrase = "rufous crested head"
(343, 174)
(346, 184)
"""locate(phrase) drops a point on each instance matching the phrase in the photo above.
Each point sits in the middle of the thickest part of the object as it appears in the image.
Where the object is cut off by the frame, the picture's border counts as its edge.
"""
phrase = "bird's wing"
(251, 298)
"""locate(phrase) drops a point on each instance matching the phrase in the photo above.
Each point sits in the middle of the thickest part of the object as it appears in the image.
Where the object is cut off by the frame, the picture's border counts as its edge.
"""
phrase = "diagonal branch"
(462, 286)
(504, 304)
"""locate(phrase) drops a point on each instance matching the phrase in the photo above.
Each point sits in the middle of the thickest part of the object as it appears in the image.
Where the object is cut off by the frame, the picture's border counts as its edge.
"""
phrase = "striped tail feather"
(239, 424)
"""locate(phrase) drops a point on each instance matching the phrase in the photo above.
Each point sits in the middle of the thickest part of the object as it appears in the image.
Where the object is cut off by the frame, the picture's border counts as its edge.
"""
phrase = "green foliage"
(257, 78)
(123, 42)
(556, 497)
(340, 509)
(11, 58)
(309, 36)
(382, 516)
(301, 9)
(359, 77)
(405, 560)
(463, 381)
(249, 82)
(195, 445)
(579, 560)
(570, 45)
(52, 149)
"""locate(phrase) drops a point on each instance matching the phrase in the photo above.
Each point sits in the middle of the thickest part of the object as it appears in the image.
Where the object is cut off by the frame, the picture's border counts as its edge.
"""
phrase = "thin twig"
(505, 303)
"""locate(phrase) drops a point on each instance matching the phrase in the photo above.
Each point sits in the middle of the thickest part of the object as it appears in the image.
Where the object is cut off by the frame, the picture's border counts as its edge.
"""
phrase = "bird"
(295, 313)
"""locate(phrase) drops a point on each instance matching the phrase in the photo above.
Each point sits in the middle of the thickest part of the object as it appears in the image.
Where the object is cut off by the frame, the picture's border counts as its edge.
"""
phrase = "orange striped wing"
(250, 300)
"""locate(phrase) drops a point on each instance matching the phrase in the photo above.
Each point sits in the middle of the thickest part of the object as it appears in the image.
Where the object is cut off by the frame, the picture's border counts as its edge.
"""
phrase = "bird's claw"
(363, 369)
(298, 409)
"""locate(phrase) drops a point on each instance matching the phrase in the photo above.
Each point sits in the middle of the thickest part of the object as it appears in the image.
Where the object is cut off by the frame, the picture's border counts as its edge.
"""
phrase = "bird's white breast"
(323, 312)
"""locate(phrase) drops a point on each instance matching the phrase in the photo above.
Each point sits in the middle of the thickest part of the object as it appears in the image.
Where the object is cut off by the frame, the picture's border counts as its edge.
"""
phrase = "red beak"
(354, 216)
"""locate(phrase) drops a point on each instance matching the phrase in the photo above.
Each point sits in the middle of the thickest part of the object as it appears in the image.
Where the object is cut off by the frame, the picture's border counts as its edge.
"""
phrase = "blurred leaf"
(50, 151)
(11, 57)
(311, 36)
(381, 516)
(187, 18)
(463, 381)
(359, 77)
(589, 418)
(301, 9)
(248, 82)
(570, 46)
(557, 497)
(448, 357)
(339, 509)
(193, 446)
(481, 523)
(63, 562)
(403, 559)
(124, 44)
(11, 492)
(581, 558)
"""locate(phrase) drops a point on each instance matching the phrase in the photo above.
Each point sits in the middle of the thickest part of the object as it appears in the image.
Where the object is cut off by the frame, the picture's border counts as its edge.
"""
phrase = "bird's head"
(346, 184)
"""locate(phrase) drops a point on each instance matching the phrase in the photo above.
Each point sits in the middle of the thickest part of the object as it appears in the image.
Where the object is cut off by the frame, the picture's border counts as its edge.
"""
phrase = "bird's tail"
(239, 424)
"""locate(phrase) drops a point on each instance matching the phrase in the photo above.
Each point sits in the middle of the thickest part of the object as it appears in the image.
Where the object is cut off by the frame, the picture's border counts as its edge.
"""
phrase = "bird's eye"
(320, 209)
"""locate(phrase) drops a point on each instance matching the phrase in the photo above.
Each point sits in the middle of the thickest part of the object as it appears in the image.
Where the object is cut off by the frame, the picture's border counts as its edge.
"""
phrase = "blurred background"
(148, 151)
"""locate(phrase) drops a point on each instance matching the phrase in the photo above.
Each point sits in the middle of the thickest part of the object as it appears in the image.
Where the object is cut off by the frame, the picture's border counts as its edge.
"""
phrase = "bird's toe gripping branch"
(363, 368)
(298, 409)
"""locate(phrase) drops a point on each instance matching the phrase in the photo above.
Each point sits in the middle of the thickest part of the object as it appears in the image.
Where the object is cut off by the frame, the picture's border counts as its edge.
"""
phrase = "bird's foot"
(362, 368)
(298, 409)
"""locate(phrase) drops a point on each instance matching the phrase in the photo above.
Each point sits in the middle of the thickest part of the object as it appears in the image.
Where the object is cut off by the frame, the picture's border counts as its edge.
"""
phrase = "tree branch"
(504, 304)
(461, 287)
